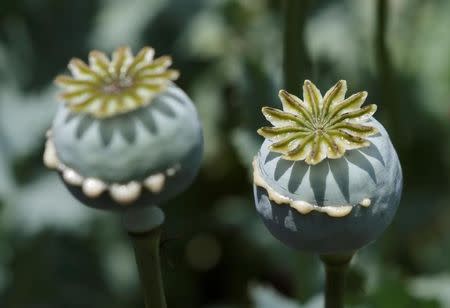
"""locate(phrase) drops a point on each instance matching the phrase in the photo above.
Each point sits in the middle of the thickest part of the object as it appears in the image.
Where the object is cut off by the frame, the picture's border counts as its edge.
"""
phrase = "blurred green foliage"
(216, 252)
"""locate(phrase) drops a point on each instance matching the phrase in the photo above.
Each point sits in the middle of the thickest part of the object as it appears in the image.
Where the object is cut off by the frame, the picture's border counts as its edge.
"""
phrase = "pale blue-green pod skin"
(373, 172)
(132, 146)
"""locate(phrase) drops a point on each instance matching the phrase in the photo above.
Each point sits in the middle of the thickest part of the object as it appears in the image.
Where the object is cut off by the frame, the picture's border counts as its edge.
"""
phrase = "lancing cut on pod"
(327, 178)
(125, 134)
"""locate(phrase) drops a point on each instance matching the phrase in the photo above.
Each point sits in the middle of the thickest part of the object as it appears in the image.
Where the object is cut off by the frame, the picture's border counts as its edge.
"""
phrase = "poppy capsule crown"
(327, 178)
(318, 127)
(105, 87)
(125, 134)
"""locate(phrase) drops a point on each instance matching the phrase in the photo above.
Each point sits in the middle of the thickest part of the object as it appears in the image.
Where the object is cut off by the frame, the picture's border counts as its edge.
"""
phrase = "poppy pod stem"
(144, 229)
(335, 268)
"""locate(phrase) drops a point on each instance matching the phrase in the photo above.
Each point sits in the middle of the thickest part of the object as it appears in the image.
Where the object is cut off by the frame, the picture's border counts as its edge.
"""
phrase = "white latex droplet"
(93, 187)
(72, 177)
(125, 193)
(50, 158)
(155, 183)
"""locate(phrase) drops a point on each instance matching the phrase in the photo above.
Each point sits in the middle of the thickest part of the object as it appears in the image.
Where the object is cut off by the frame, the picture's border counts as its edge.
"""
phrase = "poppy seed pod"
(327, 178)
(125, 134)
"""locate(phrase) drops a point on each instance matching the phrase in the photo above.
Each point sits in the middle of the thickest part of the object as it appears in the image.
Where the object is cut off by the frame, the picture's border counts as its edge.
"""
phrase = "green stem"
(335, 269)
(296, 63)
(385, 68)
(144, 228)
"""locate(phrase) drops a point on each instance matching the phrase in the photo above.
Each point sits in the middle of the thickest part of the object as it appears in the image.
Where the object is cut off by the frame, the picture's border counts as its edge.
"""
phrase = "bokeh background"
(216, 253)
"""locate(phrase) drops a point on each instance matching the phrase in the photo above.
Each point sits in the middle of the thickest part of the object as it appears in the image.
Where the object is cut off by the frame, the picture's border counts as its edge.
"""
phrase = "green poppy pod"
(126, 134)
(327, 178)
